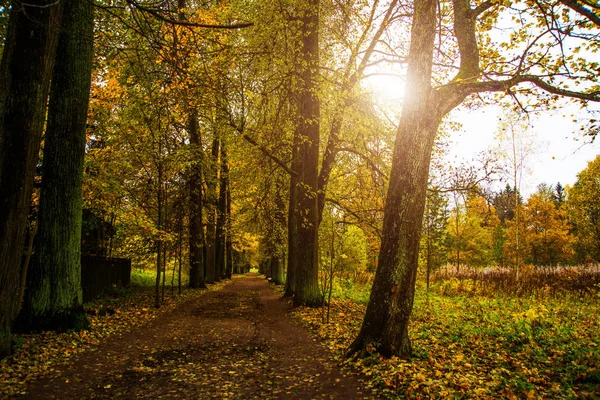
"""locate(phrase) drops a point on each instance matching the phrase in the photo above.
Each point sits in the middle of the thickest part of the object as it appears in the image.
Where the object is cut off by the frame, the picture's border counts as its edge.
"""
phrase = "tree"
(212, 274)
(221, 226)
(26, 67)
(479, 68)
(304, 200)
(504, 202)
(196, 228)
(435, 222)
(515, 146)
(559, 196)
(584, 212)
(547, 233)
(53, 299)
(472, 237)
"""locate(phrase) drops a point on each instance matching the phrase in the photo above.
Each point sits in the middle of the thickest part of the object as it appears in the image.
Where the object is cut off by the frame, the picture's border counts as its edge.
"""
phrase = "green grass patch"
(346, 289)
(143, 278)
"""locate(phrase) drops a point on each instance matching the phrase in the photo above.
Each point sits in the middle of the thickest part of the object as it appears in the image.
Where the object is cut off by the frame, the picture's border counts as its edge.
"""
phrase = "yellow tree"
(584, 211)
(471, 239)
(544, 233)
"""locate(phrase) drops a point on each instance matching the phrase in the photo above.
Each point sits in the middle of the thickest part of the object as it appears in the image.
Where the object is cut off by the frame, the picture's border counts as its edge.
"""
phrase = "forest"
(204, 139)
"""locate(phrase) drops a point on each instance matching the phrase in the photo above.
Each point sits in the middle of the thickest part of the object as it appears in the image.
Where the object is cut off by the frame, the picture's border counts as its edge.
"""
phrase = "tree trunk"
(196, 239)
(290, 283)
(53, 299)
(386, 321)
(159, 244)
(221, 215)
(212, 275)
(306, 216)
(277, 270)
(180, 255)
(279, 252)
(27, 61)
(228, 243)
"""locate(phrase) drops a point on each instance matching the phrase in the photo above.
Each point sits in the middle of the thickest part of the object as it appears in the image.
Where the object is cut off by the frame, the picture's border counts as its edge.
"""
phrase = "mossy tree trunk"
(26, 67)
(53, 298)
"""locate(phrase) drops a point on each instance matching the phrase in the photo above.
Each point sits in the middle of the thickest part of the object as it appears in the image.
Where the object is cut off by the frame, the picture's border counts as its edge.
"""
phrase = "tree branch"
(267, 153)
(579, 8)
(161, 17)
(364, 157)
(499, 86)
(483, 7)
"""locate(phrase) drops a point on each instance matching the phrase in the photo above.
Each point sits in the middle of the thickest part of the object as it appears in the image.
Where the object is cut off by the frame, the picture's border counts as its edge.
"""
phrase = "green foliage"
(504, 203)
(584, 212)
(433, 253)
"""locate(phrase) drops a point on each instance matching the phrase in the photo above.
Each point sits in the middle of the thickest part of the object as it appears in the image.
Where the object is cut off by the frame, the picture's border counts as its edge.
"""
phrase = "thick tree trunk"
(26, 67)
(53, 298)
(306, 216)
(196, 239)
(277, 268)
(222, 215)
(386, 321)
(212, 275)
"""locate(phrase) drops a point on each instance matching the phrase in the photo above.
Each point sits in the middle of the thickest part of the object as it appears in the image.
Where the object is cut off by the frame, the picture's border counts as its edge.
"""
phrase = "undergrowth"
(476, 346)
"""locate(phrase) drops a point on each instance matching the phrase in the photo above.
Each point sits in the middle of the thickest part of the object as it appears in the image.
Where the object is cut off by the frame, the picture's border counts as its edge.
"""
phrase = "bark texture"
(386, 320)
(53, 298)
(27, 60)
(306, 217)
(196, 239)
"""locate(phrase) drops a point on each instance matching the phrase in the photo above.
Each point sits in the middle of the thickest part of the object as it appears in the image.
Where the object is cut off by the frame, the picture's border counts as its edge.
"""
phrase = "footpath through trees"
(238, 342)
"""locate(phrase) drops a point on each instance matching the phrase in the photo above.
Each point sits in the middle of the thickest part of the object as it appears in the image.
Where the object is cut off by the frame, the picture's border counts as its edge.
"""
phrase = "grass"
(477, 346)
(143, 278)
(147, 278)
(345, 288)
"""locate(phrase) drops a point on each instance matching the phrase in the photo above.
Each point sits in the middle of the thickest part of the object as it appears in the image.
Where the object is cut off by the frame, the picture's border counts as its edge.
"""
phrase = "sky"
(560, 152)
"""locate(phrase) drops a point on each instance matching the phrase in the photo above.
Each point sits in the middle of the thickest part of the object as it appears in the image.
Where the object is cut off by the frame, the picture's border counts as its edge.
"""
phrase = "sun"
(388, 88)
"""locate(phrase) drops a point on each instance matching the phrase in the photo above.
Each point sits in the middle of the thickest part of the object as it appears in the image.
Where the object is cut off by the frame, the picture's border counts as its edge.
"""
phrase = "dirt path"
(238, 342)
